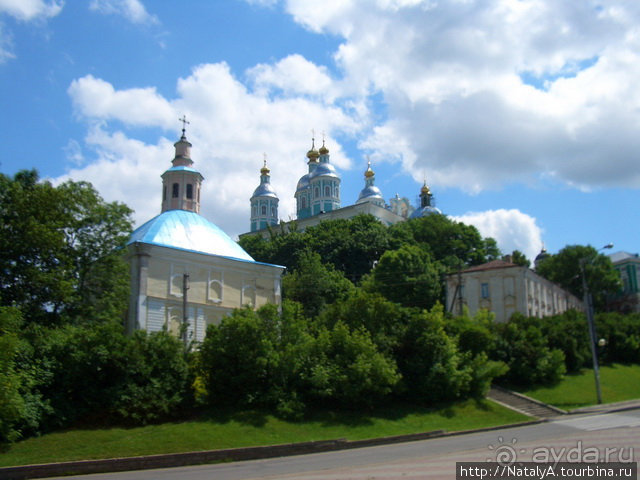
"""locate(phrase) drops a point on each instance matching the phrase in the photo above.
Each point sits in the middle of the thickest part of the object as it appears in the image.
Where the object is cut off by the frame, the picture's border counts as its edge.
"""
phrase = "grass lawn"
(253, 428)
(617, 382)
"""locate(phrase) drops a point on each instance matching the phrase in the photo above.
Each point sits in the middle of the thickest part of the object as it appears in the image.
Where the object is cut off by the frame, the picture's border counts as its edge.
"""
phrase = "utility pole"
(185, 312)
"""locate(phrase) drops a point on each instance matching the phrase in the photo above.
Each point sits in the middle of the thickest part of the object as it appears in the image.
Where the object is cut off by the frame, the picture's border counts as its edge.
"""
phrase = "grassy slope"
(617, 382)
(252, 428)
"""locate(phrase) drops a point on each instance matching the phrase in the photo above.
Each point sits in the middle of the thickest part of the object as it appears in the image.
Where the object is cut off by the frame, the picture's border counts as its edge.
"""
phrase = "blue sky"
(521, 115)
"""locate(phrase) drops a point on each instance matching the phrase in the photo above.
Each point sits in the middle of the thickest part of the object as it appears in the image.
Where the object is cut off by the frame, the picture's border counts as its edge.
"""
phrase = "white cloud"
(31, 9)
(512, 230)
(97, 99)
(133, 10)
(27, 11)
(455, 75)
(230, 129)
(293, 75)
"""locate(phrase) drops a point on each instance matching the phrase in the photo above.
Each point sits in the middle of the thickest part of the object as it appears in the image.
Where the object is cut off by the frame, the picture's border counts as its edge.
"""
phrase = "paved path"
(430, 459)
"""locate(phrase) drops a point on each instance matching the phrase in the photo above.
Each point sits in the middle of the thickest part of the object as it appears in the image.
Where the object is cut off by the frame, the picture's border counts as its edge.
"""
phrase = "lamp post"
(588, 305)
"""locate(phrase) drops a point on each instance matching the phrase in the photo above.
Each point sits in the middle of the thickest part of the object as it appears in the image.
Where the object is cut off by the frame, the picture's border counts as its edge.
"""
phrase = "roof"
(264, 190)
(187, 230)
(493, 265)
(622, 256)
(182, 168)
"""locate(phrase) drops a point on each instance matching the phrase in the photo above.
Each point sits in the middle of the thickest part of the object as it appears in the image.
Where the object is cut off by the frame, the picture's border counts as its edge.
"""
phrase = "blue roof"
(425, 211)
(187, 230)
(182, 168)
(368, 192)
(264, 190)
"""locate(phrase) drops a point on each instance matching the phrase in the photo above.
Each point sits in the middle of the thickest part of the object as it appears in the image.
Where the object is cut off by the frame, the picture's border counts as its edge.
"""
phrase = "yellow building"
(185, 271)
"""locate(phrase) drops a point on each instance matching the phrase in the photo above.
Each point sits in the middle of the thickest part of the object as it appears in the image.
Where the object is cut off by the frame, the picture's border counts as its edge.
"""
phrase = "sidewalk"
(608, 407)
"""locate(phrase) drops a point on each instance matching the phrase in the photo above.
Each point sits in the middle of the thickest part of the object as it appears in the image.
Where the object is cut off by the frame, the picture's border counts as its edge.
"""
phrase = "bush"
(12, 405)
(432, 368)
(521, 344)
(98, 374)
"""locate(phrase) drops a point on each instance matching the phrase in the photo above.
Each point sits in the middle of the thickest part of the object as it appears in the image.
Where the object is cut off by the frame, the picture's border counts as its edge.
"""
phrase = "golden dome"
(323, 150)
(425, 189)
(313, 153)
(369, 173)
(265, 170)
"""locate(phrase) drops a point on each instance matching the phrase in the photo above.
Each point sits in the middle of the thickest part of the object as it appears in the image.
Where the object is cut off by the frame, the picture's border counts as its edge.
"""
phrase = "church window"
(327, 191)
(316, 192)
(273, 211)
(215, 285)
(189, 191)
(164, 193)
(249, 295)
(303, 202)
(263, 210)
(175, 190)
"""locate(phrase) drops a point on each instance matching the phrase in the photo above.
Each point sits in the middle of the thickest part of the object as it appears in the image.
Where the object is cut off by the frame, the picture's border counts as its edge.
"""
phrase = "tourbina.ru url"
(541, 471)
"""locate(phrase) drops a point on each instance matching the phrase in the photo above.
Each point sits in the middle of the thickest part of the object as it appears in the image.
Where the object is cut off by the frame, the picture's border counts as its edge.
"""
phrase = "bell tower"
(181, 183)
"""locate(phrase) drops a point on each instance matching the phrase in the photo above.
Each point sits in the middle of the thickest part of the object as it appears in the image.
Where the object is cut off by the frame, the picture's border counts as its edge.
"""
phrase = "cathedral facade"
(317, 198)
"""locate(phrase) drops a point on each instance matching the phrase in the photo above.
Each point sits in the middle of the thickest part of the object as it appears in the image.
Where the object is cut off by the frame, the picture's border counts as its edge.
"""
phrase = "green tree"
(238, 359)
(59, 250)
(351, 246)
(314, 284)
(520, 258)
(432, 367)
(448, 241)
(564, 269)
(348, 369)
(521, 344)
(408, 276)
(12, 404)
(385, 321)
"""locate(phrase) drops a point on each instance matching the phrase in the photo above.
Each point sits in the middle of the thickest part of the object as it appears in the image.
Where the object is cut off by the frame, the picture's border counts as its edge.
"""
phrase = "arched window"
(316, 192)
(273, 211)
(327, 191)
(303, 202)
(189, 191)
(263, 210)
(175, 193)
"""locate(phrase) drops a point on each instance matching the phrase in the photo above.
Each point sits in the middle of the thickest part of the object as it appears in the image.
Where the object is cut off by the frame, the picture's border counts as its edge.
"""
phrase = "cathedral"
(317, 198)
(186, 273)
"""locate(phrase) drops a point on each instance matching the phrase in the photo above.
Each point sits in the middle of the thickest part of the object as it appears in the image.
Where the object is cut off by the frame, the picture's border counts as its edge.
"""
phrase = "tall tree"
(314, 284)
(408, 276)
(59, 249)
(564, 268)
(448, 241)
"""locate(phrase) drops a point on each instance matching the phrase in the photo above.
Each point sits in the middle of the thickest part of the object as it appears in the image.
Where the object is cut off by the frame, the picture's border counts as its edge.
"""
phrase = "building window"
(189, 191)
(175, 190)
(327, 191)
(164, 193)
(263, 210)
(303, 202)
(273, 211)
(316, 192)
(484, 290)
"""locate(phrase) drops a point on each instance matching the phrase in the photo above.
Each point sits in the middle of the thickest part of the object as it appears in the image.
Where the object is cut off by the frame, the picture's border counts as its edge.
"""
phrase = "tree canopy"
(59, 249)
(564, 268)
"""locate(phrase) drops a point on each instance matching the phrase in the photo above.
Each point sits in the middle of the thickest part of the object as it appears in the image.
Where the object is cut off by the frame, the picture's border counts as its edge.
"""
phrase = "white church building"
(186, 273)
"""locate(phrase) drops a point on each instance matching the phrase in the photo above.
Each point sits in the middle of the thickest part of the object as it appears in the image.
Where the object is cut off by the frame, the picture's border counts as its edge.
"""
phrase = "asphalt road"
(611, 436)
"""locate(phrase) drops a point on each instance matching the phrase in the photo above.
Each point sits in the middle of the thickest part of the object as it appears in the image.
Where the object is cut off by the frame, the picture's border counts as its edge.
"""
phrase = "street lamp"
(588, 305)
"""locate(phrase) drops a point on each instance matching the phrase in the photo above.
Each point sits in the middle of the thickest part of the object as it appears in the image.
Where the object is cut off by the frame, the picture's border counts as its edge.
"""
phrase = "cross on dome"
(185, 122)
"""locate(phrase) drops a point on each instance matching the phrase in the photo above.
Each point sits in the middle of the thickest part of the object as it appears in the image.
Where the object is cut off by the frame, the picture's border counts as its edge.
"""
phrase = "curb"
(84, 467)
